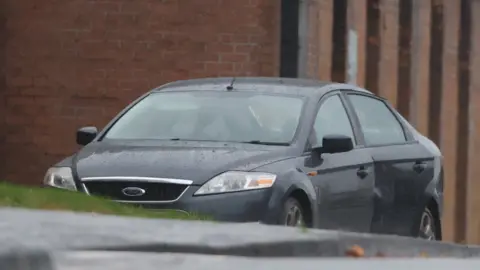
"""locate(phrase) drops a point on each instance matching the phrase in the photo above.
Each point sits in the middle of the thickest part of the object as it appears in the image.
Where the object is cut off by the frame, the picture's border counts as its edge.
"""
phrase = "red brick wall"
(77, 62)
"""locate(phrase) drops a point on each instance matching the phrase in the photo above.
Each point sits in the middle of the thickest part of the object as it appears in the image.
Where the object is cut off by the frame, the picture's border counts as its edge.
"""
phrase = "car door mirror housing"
(336, 144)
(86, 135)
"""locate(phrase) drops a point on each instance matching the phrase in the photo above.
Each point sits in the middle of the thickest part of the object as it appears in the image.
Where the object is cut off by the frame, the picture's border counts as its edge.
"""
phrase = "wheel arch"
(433, 198)
(305, 194)
(433, 206)
(292, 182)
(301, 196)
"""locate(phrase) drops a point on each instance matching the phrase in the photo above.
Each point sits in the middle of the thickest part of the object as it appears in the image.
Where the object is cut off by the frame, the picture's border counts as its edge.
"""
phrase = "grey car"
(271, 150)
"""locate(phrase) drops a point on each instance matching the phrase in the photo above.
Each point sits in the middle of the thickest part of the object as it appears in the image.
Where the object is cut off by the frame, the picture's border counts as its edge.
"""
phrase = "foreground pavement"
(126, 261)
(100, 260)
(63, 240)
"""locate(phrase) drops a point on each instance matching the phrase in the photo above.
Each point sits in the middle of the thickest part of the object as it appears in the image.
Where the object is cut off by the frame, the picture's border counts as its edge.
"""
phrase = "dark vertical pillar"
(436, 63)
(289, 44)
(3, 86)
(462, 123)
(339, 40)
(404, 60)
(373, 42)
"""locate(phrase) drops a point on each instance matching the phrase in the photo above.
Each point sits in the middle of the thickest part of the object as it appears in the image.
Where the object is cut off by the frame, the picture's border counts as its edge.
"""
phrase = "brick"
(220, 48)
(234, 38)
(20, 81)
(219, 67)
(244, 48)
(233, 57)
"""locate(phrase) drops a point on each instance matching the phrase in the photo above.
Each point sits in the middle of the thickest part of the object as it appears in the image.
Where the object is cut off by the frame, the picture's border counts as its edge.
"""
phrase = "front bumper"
(242, 206)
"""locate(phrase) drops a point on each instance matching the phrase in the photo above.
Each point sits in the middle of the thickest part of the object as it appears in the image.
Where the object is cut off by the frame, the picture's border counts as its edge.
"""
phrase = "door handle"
(362, 172)
(419, 166)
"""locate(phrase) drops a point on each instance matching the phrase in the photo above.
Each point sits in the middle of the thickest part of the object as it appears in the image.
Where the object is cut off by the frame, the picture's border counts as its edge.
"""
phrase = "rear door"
(344, 181)
(400, 163)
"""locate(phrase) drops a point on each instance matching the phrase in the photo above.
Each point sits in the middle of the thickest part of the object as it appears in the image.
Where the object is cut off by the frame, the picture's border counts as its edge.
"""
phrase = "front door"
(344, 181)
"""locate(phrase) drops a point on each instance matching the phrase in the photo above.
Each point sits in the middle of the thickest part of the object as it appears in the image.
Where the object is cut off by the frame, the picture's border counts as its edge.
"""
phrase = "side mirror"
(86, 135)
(335, 144)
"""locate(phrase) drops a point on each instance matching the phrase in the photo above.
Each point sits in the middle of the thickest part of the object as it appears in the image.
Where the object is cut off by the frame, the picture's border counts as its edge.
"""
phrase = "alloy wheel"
(294, 216)
(427, 228)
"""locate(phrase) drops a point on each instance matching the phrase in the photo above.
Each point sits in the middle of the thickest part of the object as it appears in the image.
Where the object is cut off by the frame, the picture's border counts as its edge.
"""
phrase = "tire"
(427, 227)
(293, 214)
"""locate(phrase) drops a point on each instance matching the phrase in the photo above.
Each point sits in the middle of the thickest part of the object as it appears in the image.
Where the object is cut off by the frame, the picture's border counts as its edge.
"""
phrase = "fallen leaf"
(355, 251)
(423, 254)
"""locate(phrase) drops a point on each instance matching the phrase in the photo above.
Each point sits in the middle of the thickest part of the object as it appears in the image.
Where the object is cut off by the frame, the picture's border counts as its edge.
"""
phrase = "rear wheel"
(428, 226)
(293, 213)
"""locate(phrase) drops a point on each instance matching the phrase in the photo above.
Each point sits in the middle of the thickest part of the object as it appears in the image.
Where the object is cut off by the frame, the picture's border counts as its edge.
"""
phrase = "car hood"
(196, 162)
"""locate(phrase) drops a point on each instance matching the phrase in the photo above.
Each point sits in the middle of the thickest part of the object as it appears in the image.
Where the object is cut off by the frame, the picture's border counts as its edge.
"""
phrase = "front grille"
(153, 191)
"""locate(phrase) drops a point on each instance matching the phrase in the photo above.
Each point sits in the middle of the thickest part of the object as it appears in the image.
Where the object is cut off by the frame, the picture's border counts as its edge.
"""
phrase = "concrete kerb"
(146, 261)
(393, 246)
(371, 245)
(22, 229)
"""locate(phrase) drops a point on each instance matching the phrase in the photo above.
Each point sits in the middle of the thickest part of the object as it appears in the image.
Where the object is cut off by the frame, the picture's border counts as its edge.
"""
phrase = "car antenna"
(230, 87)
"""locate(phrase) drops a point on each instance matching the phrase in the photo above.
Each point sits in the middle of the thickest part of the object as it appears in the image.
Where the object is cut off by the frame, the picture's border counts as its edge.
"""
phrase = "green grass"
(62, 200)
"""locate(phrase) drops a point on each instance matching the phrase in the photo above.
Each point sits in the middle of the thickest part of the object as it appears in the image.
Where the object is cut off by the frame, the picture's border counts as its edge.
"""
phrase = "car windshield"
(212, 116)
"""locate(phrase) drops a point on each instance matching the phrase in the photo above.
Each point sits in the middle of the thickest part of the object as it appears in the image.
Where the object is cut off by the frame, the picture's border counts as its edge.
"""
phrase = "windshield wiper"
(267, 143)
(249, 142)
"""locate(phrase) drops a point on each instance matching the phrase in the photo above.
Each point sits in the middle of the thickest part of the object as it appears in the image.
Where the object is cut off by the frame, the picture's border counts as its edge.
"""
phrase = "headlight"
(60, 177)
(236, 181)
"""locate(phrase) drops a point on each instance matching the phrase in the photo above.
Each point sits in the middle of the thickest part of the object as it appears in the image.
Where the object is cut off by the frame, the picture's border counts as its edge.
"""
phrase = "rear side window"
(377, 122)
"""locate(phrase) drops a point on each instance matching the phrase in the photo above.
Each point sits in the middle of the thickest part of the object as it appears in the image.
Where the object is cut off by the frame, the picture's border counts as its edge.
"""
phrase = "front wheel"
(428, 226)
(293, 214)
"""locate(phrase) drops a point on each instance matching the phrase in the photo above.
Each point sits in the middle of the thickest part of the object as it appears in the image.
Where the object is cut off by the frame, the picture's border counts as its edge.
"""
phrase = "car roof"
(304, 87)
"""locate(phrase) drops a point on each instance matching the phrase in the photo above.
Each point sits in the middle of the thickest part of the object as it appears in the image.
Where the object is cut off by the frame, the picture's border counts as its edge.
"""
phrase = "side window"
(377, 122)
(331, 119)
